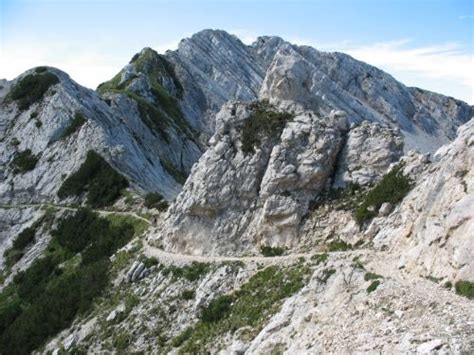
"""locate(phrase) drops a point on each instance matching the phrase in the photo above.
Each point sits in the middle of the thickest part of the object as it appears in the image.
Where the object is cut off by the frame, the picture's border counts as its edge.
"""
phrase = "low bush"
(373, 286)
(338, 245)
(16, 252)
(191, 272)
(96, 177)
(217, 309)
(46, 297)
(265, 122)
(371, 276)
(23, 162)
(26, 237)
(271, 251)
(155, 200)
(31, 88)
(188, 294)
(75, 124)
(465, 288)
(393, 187)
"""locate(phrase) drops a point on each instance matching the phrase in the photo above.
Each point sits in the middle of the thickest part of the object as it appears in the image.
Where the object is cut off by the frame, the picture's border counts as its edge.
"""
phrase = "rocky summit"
(235, 199)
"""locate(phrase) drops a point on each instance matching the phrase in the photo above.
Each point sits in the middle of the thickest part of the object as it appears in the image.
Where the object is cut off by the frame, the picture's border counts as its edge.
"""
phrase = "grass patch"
(393, 187)
(31, 88)
(265, 122)
(250, 306)
(96, 177)
(74, 125)
(338, 245)
(465, 288)
(24, 161)
(269, 251)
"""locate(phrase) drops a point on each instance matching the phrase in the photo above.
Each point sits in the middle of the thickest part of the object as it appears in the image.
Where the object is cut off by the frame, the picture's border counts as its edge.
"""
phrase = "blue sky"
(425, 43)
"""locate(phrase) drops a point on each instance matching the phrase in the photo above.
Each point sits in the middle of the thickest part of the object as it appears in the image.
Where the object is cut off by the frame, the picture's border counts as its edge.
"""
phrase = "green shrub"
(217, 309)
(46, 297)
(393, 187)
(23, 162)
(16, 252)
(465, 288)
(191, 272)
(264, 123)
(371, 276)
(188, 294)
(31, 88)
(155, 200)
(76, 232)
(338, 245)
(373, 286)
(269, 251)
(26, 237)
(96, 177)
(74, 125)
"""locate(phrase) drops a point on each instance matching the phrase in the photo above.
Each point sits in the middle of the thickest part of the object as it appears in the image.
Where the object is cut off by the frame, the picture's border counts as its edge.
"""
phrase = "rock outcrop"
(432, 229)
(236, 200)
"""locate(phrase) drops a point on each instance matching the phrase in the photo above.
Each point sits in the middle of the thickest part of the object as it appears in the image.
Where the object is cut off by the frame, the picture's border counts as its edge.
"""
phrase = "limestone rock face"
(117, 133)
(235, 200)
(368, 153)
(432, 229)
(322, 82)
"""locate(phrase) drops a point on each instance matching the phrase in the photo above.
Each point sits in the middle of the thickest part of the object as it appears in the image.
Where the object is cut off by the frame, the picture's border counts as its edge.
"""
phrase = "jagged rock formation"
(432, 229)
(155, 116)
(237, 199)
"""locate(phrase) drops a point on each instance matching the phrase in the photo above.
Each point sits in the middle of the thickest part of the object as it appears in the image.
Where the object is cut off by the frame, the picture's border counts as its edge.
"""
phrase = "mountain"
(232, 198)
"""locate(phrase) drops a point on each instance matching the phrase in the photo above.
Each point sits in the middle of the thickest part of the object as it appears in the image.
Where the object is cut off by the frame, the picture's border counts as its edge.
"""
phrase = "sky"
(423, 43)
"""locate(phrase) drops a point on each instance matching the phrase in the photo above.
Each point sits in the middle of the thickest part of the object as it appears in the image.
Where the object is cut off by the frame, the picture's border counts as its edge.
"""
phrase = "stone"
(385, 209)
(429, 346)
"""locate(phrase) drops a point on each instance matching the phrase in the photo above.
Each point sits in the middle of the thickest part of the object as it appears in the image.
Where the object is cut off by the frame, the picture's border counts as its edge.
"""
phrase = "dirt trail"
(70, 208)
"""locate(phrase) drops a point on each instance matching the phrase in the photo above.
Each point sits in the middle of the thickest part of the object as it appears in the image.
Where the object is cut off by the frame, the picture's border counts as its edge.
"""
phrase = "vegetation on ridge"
(31, 88)
(265, 122)
(96, 177)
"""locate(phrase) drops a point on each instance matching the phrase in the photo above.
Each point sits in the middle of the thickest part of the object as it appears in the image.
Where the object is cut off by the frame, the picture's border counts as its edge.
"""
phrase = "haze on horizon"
(424, 43)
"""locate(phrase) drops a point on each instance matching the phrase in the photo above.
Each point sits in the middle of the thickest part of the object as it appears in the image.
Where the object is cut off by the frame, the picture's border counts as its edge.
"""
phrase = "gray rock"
(429, 346)
(385, 209)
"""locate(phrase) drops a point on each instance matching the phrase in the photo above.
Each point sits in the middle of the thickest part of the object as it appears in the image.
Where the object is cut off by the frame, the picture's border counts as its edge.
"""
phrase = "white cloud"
(446, 68)
(466, 17)
(88, 68)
